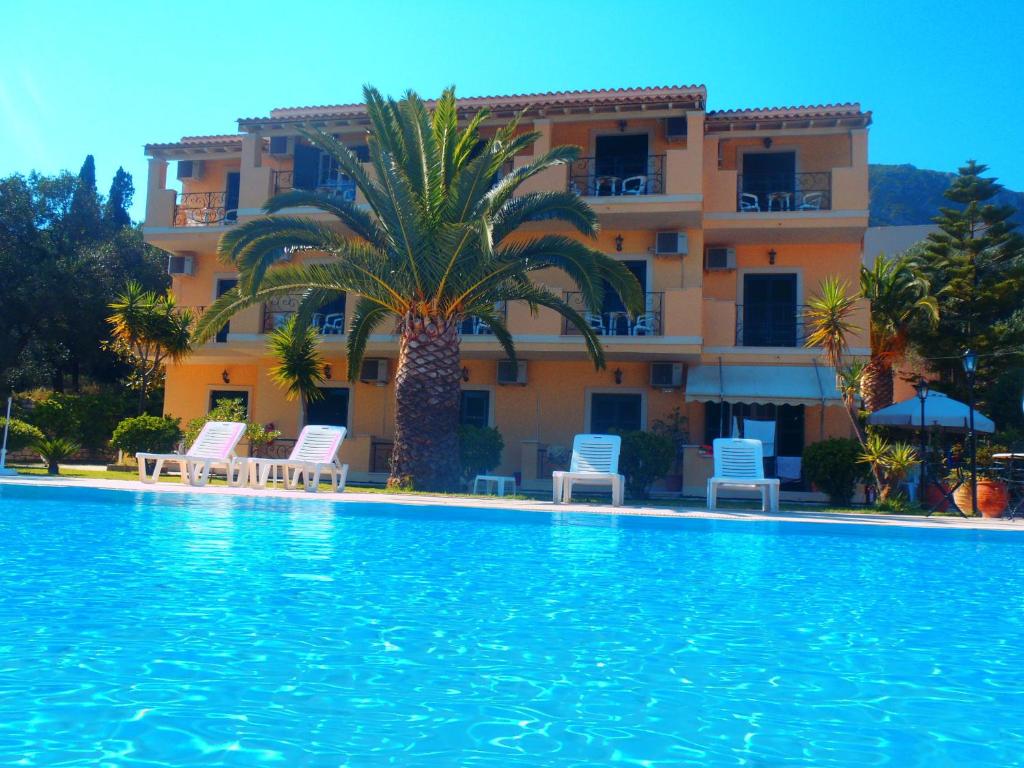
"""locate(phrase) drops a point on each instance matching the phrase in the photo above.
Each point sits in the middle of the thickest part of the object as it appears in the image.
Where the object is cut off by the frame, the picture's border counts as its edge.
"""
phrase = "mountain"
(903, 194)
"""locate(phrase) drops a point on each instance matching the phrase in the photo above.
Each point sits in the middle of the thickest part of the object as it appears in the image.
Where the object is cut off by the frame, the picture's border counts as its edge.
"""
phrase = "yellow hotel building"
(729, 219)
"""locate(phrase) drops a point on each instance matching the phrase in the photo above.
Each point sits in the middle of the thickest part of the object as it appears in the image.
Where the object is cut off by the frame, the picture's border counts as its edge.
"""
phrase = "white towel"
(788, 467)
(763, 431)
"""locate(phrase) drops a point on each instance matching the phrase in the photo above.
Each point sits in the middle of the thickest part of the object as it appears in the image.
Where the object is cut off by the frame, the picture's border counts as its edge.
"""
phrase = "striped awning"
(779, 384)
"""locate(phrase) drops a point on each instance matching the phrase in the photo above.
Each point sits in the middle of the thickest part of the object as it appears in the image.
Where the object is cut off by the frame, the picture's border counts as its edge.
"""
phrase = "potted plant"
(676, 428)
(993, 495)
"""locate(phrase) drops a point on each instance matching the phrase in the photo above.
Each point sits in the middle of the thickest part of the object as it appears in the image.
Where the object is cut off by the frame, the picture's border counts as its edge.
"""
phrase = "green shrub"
(833, 466)
(56, 416)
(53, 450)
(20, 435)
(645, 457)
(147, 434)
(231, 409)
(479, 450)
(88, 418)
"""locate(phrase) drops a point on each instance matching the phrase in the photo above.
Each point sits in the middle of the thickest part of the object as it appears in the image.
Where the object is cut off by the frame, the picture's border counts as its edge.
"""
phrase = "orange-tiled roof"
(685, 94)
(817, 111)
(228, 140)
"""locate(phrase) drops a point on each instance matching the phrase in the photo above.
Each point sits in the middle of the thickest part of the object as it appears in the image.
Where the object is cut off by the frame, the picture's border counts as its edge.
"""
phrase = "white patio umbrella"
(940, 411)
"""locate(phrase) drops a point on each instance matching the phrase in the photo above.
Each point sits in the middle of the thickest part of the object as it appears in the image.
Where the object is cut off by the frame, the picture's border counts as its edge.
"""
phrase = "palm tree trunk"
(426, 453)
(876, 385)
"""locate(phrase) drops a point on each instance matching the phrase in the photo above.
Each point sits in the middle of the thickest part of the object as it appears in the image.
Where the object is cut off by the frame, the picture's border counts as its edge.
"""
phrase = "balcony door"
(769, 310)
(772, 177)
(231, 194)
(618, 157)
(223, 286)
(614, 311)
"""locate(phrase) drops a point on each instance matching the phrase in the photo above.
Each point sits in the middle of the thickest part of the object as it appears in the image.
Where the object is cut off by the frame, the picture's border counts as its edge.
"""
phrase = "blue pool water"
(166, 630)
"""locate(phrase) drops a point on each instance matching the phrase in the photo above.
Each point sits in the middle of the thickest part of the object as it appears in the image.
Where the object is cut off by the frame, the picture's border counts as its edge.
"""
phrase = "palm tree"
(440, 243)
(829, 315)
(149, 330)
(300, 366)
(899, 293)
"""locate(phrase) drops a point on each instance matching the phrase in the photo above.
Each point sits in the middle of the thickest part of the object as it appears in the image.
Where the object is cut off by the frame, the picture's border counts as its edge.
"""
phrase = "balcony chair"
(812, 201)
(739, 463)
(213, 448)
(595, 461)
(481, 327)
(645, 325)
(779, 201)
(634, 185)
(596, 322)
(749, 202)
(606, 186)
(315, 453)
(333, 325)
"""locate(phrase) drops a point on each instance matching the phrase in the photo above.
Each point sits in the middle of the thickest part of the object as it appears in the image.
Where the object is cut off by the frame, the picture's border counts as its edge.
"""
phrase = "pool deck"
(548, 507)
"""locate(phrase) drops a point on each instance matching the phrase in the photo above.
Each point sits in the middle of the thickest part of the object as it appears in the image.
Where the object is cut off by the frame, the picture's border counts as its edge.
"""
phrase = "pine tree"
(115, 210)
(975, 264)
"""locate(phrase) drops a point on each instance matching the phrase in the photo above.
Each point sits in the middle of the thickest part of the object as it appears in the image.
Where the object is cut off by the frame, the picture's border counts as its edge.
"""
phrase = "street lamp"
(971, 368)
(922, 394)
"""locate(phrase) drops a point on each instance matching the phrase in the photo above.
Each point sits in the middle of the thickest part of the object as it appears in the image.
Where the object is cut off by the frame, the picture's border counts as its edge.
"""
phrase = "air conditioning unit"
(182, 264)
(667, 375)
(512, 372)
(675, 128)
(190, 169)
(279, 145)
(375, 370)
(671, 244)
(717, 259)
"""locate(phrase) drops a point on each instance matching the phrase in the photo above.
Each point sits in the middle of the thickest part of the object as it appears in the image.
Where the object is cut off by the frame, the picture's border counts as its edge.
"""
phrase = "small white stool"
(499, 481)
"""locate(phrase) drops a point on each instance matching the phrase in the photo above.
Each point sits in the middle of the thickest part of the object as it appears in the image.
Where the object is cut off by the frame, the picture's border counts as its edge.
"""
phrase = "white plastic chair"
(749, 202)
(633, 185)
(739, 463)
(812, 201)
(605, 186)
(333, 324)
(213, 448)
(595, 461)
(645, 325)
(315, 453)
(596, 322)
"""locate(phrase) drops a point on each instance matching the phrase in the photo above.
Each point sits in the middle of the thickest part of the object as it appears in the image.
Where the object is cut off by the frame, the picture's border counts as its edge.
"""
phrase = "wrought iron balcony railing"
(616, 322)
(203, 209)
(475, 326)
(276, 311)
(617, 176)
(770, 325)
(761, 193)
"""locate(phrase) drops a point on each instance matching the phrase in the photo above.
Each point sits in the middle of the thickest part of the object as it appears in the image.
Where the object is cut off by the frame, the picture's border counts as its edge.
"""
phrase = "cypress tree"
(115, 210)
(84, 224)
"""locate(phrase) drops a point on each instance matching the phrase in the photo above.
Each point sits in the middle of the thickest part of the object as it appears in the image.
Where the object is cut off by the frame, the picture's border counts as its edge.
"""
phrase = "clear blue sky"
(945, 80)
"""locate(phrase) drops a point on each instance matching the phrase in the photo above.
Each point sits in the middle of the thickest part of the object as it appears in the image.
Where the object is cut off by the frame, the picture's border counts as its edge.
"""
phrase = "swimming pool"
(166, 629)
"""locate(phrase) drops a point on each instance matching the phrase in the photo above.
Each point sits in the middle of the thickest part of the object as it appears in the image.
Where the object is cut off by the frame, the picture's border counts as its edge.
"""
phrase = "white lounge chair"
(315, 453)
(213, 448)
(595, 461)
(739, 463)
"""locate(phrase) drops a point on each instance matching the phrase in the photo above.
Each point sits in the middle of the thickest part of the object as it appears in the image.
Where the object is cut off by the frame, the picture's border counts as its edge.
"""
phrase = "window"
(223, 286)
(331, 409)
(769, 311)
(475, 407)
(789, 423)
(616, 411)
(217, 395)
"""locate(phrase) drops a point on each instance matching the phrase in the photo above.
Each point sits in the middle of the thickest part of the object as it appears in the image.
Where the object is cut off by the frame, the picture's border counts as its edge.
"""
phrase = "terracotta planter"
(992, 498)
(934, 497)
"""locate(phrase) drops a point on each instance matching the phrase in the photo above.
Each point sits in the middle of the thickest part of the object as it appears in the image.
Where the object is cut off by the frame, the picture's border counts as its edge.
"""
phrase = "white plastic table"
(500, 482)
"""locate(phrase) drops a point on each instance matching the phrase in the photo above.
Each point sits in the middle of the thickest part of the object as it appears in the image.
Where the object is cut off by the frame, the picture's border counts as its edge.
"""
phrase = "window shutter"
(307, 167)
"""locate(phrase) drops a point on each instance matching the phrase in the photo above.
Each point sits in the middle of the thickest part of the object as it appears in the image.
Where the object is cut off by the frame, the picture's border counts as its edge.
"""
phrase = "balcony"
(617, 176)
(766, 193)
(615, 322)
(342, 186)
(475, 326)
(329, 321)
(770, 325)
(204, 209)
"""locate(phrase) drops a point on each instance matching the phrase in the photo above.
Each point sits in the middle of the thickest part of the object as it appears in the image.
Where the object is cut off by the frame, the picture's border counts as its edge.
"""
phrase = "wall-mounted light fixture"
(617, 373)
(465, 373)
(225, 376)
(622, 126)
(767, 142)
(771, 256)
(327, 371)
(618, 243)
